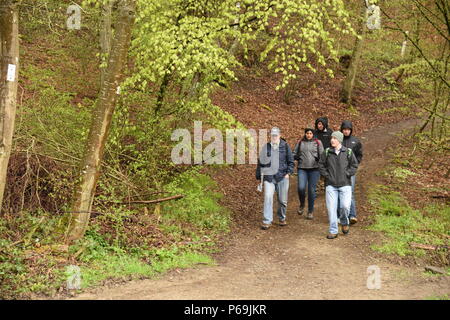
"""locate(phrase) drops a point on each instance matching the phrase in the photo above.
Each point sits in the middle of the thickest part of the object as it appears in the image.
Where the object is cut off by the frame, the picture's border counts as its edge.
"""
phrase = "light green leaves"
(304, 32)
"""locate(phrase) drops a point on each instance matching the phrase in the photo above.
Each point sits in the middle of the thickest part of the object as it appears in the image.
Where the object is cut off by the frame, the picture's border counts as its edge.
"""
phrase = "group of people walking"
(334, 156)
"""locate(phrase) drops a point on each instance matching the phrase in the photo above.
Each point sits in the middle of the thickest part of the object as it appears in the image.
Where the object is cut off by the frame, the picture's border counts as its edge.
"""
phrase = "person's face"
(309, 135)
(346, 132)
(275, 138)
(335, 142)
(320, 126)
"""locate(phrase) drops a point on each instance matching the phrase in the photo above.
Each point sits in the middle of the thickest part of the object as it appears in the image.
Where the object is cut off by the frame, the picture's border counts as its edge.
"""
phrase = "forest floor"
(297, 261)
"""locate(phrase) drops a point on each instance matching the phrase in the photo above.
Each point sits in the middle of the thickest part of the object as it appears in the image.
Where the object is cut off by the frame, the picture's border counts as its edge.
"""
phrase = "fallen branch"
(179, 196)
(435, 270)
(135, 196)
(428, 246)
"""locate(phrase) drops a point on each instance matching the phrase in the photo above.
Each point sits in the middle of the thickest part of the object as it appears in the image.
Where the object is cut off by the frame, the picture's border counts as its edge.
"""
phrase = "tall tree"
(9, 68)
(349, 82)
(101, 121)
(105, 34)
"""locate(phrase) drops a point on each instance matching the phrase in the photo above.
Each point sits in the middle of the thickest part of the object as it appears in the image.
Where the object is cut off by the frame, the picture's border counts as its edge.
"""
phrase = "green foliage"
(305, 29)
(403, 224)
(417, 75)
(50, 131)
(382, 49)
(188, 42)
(439, 297)
(178, 37)
(12, 269)
(200, 205)
(58, 127)
(101, 261)
(26, 265)
(402, 174)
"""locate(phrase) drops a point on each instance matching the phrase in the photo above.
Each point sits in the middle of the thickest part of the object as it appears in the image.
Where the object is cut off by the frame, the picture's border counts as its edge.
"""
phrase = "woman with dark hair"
(307, 153)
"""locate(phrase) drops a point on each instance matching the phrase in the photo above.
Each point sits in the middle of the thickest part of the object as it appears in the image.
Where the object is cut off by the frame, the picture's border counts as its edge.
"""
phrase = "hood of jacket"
(347, 124)
(324, 121)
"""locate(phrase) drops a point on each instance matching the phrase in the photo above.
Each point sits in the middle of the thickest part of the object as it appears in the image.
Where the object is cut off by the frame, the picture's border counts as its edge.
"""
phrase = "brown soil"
(296, 261)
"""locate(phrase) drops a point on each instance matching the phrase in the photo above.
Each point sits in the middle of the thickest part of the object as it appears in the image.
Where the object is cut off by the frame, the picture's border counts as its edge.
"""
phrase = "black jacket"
(266, 158)
(325, 135)
(338, 168)
(351, 141)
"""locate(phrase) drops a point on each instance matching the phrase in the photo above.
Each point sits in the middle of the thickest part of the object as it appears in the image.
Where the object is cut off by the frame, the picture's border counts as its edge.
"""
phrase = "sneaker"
(332, 236)
(301, 210)
(345, 229)
(309, 216)
(265, 226)
(353, 220)
(282, 223)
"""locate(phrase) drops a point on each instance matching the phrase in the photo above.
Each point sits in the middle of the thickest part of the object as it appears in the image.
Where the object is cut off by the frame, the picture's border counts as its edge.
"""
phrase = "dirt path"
(296, 261)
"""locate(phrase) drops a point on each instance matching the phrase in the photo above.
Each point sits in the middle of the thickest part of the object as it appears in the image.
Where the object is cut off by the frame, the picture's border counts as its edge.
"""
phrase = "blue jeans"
(308, 177)
(282, 189)
(353, 205)
(338, 197)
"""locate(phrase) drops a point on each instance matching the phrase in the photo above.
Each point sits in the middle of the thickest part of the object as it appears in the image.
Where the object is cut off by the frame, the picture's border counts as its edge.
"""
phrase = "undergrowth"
(404, 225)
(32, 262)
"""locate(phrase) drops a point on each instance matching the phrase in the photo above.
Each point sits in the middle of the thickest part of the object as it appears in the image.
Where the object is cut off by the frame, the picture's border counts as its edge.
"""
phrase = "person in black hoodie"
(350, 141)
(323, 134)
(322, 131)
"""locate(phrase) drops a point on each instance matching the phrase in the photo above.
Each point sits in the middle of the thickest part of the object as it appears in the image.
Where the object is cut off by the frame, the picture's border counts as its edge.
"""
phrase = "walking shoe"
(282, 223)
(301, 210)
(309, 216)
(332, 236)
(353, 220)
(345, 229)
(265, 226)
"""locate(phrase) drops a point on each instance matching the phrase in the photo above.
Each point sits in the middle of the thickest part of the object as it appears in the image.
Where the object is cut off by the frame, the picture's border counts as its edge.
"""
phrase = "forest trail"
(297, 261)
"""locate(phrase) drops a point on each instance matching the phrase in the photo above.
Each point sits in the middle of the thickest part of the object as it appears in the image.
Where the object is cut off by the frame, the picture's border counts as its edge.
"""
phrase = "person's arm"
(320, 148)
(259, 165)
(352, 165)
(258, 170)
(323, 165)
(290, 160)
(297, 151)
(359, 152)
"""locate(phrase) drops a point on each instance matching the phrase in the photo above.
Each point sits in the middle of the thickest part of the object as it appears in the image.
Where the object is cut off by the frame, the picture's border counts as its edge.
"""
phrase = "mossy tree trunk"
(101, 121)
(105, 33)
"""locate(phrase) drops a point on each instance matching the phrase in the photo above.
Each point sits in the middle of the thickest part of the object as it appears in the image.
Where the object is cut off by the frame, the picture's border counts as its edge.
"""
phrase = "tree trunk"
(9, 71)
(101, 121)
(105, 34)
(413, 54)
(349, 82)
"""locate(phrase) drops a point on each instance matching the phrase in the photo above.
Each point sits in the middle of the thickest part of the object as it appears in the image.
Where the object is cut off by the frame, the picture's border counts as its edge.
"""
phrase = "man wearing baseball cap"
(275, 164)
(338, 164)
